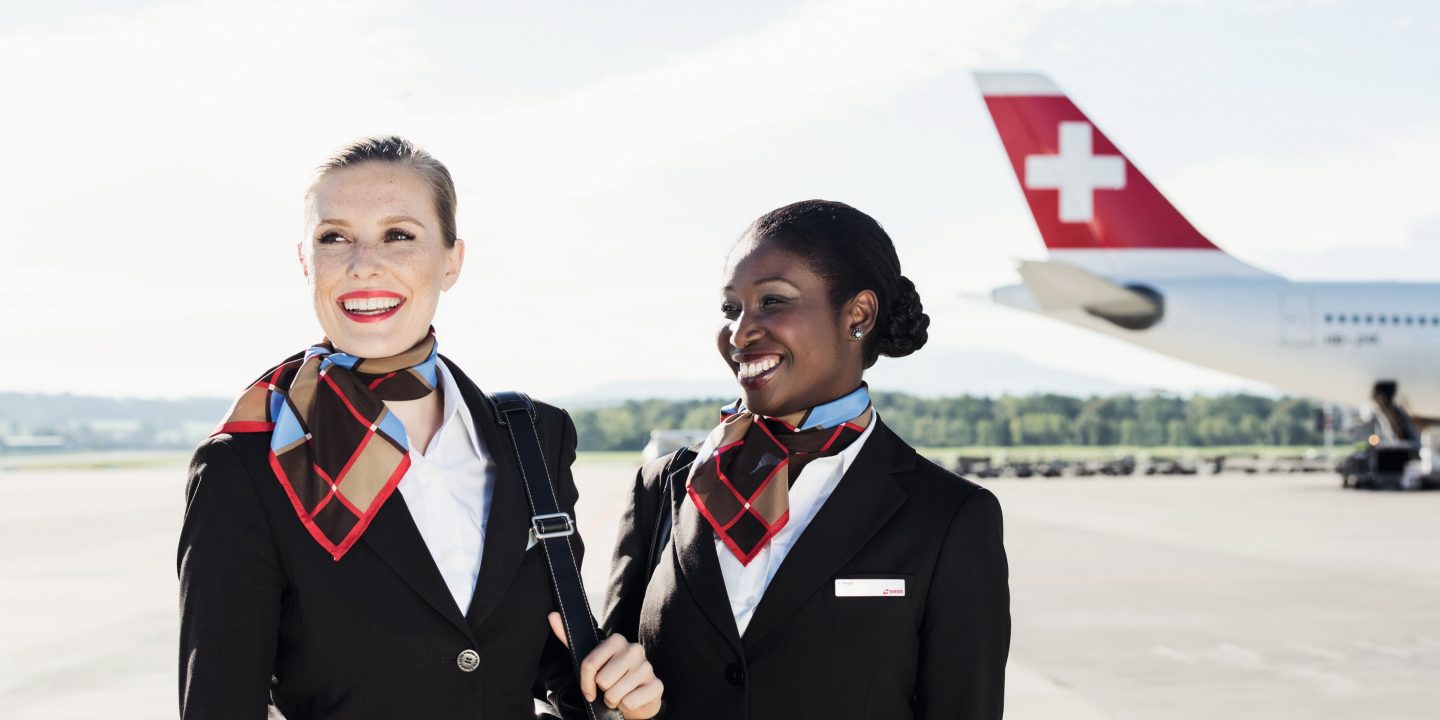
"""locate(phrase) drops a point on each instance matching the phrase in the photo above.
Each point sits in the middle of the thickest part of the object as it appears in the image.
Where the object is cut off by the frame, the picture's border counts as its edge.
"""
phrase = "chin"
(375, 341)
(366, 347)
(761, 403)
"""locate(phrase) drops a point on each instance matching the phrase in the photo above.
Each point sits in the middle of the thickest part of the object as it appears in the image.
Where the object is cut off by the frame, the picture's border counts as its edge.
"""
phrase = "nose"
(745, 329)
(364, 261)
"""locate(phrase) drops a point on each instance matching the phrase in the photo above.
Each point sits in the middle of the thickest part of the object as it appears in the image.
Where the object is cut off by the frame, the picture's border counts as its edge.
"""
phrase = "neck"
(422, 418)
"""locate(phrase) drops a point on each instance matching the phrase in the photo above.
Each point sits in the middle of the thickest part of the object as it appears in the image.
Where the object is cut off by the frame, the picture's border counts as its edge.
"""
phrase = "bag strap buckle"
(553, 525)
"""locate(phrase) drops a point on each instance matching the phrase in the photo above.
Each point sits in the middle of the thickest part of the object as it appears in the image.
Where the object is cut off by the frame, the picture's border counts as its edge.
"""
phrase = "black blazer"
(269, 618)
(937, 652)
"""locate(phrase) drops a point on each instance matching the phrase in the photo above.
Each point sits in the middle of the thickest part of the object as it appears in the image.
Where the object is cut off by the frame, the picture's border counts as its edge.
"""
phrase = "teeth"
(759, 367)
(375, 303)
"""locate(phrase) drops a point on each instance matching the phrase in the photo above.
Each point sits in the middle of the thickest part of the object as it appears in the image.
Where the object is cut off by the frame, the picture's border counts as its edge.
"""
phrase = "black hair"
(851, 252)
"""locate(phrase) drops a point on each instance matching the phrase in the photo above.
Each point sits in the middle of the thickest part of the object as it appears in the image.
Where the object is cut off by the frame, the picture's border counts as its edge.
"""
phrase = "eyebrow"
(773, 278)
(390, 220)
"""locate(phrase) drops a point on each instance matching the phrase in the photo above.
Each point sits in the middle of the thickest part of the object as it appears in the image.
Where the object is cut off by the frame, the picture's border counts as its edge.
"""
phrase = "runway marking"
(1389, 650)
(1319, 652)
(1037, 695)
(1237, 656)
(1332, 684)
(1329, 683)
(1173, 654)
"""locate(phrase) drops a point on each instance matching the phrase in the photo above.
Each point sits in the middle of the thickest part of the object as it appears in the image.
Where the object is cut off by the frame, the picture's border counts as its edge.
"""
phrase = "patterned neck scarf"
(742, 484)
(335, 447)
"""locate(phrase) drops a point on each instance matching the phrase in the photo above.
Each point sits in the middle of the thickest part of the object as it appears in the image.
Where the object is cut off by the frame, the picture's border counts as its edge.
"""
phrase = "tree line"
(1009, 421)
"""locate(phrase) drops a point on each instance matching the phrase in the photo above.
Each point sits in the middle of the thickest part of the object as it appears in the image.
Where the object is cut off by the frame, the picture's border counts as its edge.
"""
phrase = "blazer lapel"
(507, 526)
(694, 547)
(861, 504)
(507, 531)
(395, 538)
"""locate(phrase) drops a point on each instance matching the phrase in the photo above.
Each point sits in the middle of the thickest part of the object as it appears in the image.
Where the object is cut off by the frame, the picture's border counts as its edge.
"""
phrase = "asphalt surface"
(1201, 597)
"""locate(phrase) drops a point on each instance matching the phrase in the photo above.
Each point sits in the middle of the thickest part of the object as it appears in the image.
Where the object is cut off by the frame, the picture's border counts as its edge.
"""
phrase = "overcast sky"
(607, 154)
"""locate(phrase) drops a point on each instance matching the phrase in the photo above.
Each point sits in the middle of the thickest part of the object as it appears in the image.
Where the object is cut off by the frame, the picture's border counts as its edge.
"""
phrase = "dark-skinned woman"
(815, 565)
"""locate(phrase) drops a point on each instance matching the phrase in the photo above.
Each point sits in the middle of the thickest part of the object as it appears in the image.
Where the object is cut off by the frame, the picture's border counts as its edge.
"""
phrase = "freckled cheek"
(325, 271)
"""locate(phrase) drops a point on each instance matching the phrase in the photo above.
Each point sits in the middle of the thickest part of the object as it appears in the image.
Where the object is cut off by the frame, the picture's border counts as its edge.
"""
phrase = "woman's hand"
(618, 668)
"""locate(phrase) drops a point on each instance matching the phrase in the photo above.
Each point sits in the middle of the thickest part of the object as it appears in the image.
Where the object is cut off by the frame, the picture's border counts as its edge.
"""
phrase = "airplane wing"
(1061, 286)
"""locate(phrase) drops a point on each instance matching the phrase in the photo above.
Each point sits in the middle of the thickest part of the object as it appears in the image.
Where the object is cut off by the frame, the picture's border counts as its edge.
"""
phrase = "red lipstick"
(369, 316)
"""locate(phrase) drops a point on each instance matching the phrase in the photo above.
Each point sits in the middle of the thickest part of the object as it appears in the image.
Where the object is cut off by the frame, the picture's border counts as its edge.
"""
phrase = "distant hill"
(930, 373)
(614, 393)
(31, 422)
(951, 372)
(82, 422)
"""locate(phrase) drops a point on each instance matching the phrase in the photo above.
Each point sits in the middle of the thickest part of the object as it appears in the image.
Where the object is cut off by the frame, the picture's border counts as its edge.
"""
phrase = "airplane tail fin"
(1091, 203)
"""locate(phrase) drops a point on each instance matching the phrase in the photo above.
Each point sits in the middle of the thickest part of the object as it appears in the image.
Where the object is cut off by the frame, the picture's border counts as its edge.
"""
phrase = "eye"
(773, 300)
(397, 235)
(729, 309)
(330, 238)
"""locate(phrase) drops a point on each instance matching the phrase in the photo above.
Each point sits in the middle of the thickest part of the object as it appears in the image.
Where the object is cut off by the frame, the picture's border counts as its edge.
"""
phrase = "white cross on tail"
(1077, 172)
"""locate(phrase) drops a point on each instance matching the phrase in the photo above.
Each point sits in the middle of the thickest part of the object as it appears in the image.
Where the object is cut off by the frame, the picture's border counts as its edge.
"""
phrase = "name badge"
(870, 587)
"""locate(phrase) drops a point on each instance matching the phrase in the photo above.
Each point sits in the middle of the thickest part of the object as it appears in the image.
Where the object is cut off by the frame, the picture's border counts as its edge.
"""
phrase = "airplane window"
(1422, 319)
(1382, 319)
(1369, 319)
(1341, 318)
(1394, 319)
(1329, 318)
(1409, 319)
(1355, 319)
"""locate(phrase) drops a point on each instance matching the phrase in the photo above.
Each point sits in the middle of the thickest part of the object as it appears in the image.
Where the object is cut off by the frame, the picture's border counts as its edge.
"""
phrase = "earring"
(857, 333)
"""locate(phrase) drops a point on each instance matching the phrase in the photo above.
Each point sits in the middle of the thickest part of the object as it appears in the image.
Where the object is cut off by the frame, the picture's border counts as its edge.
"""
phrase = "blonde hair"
(395, 149)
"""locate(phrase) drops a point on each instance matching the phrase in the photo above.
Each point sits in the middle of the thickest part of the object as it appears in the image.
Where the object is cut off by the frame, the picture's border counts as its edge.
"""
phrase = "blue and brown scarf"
(741, 484)
(336, 449)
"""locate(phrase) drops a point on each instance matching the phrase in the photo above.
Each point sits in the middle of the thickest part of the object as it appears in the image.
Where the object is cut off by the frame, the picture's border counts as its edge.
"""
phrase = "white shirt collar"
(454, 403)
(847, 456)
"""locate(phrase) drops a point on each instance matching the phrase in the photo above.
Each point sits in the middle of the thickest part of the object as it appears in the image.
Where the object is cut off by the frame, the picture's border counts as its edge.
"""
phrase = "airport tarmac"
(1227, 596)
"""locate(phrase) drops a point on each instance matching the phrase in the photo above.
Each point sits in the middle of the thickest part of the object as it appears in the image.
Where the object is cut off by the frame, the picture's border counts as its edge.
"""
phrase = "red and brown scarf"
(334, 446)
(741, 484)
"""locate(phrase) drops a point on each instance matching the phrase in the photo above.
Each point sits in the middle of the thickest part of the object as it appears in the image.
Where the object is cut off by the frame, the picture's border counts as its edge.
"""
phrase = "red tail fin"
(1082, 191)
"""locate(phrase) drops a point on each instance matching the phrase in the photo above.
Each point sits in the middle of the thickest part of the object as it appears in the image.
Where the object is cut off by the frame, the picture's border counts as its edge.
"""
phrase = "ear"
(454, 260)
(860, 312)
(300, 255)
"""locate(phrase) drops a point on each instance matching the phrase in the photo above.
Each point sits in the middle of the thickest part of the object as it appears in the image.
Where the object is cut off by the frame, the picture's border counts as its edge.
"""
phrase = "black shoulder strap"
(552, 529)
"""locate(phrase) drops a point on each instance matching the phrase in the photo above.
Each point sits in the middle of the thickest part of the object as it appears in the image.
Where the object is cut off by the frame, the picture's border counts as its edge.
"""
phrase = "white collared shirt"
(746, 584)
(448, 490)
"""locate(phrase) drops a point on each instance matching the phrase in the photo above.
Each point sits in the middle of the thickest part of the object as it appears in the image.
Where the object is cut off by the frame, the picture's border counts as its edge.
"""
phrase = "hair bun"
(907, 329)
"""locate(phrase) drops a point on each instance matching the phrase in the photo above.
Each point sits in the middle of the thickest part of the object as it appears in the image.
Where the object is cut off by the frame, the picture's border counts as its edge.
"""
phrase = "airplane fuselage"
(1331, 341)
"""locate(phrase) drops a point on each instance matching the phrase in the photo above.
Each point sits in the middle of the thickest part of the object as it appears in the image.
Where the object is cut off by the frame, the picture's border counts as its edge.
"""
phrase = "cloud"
(156, 189)
(1313, 207)
(225, 84)
(158, 184)
(820, 58)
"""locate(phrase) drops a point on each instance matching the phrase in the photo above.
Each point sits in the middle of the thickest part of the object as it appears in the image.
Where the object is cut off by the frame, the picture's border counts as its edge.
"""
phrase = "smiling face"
(375, 257)
(789, 347)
